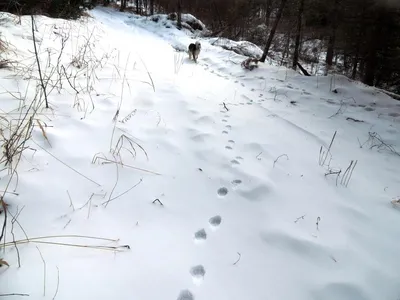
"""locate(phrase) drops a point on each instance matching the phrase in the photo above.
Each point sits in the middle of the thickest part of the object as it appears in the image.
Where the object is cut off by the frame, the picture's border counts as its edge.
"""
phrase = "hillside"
(208, 181)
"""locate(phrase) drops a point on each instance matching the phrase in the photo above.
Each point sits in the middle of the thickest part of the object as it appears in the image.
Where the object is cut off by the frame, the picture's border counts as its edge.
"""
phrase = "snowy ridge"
(210, 173)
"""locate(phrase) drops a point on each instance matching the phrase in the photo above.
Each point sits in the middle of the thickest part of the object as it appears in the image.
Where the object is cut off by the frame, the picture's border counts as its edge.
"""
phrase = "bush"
(66, 9)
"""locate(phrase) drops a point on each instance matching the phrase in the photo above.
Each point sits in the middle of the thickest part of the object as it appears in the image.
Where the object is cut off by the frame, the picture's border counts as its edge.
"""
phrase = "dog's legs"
(190, 55)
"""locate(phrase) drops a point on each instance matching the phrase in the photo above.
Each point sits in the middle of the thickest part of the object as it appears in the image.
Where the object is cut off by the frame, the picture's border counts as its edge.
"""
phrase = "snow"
(225, 197)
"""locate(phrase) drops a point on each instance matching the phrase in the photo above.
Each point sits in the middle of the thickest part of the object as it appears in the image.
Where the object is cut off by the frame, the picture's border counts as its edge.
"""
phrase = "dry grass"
(4, 62)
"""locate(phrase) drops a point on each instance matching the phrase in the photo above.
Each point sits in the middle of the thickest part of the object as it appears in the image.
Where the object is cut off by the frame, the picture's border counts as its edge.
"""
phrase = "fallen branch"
(237, 259)
(300, 218)
(158, 200)
(304, 71)
(38, 63)
(276, 160)
(355, 120)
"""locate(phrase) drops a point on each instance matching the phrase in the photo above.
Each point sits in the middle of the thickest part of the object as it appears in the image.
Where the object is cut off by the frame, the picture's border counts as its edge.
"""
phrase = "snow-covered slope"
(219, 189)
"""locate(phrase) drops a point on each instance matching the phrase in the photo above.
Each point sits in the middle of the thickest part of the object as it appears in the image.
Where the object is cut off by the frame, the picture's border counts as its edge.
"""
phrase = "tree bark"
(123, 5)
(179, 17)
(332, 36)
(298, 33)
(273, 30)
(268, 11)
(151, 7)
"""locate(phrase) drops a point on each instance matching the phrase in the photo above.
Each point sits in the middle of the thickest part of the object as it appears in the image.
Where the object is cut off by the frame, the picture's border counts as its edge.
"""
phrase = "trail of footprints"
(198, 272)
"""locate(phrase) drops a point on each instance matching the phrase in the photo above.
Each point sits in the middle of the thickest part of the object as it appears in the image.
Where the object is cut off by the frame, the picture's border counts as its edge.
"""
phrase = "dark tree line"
(361, 38)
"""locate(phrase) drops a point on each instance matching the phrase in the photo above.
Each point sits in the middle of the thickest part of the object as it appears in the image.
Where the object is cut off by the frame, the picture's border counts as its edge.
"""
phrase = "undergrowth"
(48, 72)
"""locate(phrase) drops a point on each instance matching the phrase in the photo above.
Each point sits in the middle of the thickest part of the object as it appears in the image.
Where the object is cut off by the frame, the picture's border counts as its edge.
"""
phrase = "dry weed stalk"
(343, 176)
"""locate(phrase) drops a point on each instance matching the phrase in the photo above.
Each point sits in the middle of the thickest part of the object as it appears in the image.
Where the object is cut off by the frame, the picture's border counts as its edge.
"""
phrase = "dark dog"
(194, 51)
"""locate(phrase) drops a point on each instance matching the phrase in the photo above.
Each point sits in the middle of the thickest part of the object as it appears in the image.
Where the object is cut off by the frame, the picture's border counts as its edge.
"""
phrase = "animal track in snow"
(235, 162)
(239, 157)
(185, 295)
(224, 120)
(198, 273)
(193, 111)
(224, 132)
(228, 126)
(228, 147)
(236, 182)
(200, 235)
(231, 142)
(222, 191)
(215, 221)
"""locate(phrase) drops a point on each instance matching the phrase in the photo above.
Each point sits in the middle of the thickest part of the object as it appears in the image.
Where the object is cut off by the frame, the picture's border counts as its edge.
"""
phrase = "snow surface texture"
(232, 202)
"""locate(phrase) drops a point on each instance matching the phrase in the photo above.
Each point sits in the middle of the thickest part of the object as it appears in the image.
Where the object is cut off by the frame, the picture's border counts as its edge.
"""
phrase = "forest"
(357, 38)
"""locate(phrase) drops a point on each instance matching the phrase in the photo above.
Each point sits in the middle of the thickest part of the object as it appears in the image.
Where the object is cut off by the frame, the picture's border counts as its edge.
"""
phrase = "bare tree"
(273, 30)
(151, 7)
(298, 33)
(123, 5)
(332, 35)
(179, 13)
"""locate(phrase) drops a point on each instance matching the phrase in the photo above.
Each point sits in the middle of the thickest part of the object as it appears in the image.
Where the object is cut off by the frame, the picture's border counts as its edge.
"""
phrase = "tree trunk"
(179, 17)
(355, 64)
(370, 64)
(151, 7)
(273, 29)
(298, 33)
(332, 36)
(268, 11)
(123, 5)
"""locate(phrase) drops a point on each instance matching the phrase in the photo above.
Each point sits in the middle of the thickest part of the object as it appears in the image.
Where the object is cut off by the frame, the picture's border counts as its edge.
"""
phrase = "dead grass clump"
(4, 63)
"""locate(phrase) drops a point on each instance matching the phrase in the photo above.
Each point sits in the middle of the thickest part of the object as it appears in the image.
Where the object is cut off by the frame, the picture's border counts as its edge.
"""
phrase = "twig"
(44, 271)
(70, 201)
(58, 282)
(122, 164)
(38, 63)
(318, 219)
(115, 185)
(116, 197)
(340, 110)
(355, 120)
(258, 155)
(324, 155)
(347, 174)
(4, 206)
(376, 141)
(98, 184)
(13, 294)
(334, 259)
(225, 106)
(90, 205)
(148, 73)
(13, 235)
(276, 160)
(158, 200)
(65, 226)
(237, 259)
(302, 218)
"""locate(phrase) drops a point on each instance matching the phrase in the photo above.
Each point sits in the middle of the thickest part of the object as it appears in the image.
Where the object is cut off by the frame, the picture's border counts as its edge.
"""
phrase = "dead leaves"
(3, 262)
